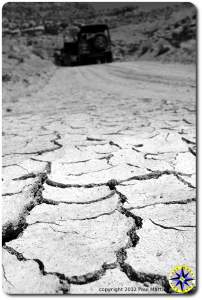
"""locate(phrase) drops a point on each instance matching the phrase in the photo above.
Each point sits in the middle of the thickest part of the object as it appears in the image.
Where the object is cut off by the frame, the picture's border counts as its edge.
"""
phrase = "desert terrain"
(99, 165)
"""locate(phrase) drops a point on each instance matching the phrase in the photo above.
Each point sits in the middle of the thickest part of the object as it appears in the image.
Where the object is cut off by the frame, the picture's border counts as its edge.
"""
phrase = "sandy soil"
(99, 180)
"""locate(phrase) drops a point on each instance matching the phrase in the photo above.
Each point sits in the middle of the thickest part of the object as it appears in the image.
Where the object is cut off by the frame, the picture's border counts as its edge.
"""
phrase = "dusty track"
(99, 181)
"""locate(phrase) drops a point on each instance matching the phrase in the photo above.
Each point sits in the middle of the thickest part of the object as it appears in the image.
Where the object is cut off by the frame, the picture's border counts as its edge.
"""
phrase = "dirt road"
(99, 180)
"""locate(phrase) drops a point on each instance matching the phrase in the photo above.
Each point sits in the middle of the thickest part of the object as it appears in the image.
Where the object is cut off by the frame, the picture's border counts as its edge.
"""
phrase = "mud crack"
(53, 202)
(40, 152)
(113, 182)
(12, 230)
(145, 277)
(64, 281)
(132, 242)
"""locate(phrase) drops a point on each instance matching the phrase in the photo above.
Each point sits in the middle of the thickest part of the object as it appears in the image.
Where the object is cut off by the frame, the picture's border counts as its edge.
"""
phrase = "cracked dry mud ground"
(99, 181)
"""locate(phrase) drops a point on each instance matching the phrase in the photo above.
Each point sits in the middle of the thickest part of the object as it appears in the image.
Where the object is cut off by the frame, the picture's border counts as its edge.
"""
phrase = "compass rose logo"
(181, 279)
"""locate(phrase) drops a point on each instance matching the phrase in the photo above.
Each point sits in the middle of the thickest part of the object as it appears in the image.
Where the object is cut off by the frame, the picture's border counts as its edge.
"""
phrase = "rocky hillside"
(17, 15)
(166, 34)
(24, 71)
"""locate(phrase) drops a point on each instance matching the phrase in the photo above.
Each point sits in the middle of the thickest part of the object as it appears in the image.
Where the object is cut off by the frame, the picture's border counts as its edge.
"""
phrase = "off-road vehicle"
(91, 44)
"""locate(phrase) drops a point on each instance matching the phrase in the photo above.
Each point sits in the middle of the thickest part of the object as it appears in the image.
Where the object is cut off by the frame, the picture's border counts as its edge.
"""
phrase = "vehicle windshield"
(88, 35)
(89, 32)
(94, 28)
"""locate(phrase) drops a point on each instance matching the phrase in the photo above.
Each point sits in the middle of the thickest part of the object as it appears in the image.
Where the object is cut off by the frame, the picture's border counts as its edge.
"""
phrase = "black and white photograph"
(99, 148)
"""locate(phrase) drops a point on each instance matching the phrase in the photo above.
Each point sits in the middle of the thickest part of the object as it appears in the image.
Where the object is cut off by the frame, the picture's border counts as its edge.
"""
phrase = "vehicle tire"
(57, 60)
(67, 60)
(103, 60)
(100, 42)
(84, 60)
(109, 57)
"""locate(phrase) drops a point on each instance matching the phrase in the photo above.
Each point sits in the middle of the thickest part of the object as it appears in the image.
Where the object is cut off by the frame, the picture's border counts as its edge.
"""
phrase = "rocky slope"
(162, 34)
(166, 34)
(24, 70)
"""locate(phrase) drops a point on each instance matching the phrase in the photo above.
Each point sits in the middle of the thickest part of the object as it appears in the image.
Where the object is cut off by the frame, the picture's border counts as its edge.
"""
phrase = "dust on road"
(99, 180)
